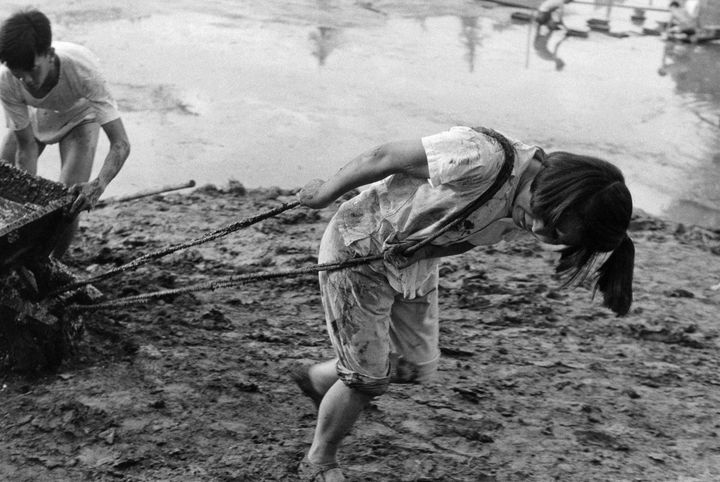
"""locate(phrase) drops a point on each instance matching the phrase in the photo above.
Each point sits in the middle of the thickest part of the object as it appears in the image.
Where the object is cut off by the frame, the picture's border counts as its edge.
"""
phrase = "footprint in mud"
(602, 439)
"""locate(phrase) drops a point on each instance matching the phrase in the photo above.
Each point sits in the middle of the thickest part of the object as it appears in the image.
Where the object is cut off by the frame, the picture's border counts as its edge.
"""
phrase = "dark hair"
(674, 4)
(592, 193)
(24, 35)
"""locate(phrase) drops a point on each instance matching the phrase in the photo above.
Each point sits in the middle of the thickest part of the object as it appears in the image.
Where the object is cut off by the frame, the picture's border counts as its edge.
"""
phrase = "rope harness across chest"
(235, 280)
(500, 179)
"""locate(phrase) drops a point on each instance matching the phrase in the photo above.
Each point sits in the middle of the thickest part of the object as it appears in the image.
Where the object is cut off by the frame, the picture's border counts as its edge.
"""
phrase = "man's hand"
(310, 195)
(87, 193)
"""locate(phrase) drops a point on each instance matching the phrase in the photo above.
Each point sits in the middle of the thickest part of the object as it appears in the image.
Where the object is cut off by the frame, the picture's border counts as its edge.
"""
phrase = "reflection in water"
(693, 212)
(637, 117)
(607, 4)
(695, 69)
(422, 21)
(325, 39)
(542, 49)
(470, 38)
(370, 6)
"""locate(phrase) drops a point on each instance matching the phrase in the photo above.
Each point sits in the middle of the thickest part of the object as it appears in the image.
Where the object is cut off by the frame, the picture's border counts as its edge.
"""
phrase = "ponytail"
(589, 195)
(615, 277)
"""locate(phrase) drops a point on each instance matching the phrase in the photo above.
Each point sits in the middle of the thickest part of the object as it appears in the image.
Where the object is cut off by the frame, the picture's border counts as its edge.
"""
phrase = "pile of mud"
(37, 332)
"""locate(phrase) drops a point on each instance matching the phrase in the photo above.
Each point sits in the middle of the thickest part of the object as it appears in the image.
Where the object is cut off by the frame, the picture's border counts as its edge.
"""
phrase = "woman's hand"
(310, 195)
(396, 255)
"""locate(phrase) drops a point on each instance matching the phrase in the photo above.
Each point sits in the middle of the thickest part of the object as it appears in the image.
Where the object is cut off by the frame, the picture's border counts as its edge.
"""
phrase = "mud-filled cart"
(35, 333)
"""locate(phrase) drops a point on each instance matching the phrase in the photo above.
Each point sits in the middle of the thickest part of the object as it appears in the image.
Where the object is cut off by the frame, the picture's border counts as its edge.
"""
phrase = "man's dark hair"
(24, 35)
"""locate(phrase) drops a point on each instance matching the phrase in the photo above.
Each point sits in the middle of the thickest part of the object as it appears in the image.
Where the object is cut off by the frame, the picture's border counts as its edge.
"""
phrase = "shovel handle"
(106, 202)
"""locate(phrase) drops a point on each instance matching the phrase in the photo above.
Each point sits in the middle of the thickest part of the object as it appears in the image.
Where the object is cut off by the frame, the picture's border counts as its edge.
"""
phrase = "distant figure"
(54, 93)
(683, 24)
(550, 14)
(325, 39)
(541, 46)
(470, 38)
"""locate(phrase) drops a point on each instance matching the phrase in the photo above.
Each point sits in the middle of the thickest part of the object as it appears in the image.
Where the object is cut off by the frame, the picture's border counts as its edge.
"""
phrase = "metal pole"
(611, 4)
(527, 46)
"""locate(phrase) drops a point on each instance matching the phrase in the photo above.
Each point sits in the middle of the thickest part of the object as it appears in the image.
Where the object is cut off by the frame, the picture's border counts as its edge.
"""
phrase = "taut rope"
(455, 220)
(177, 247)
(227, 282)
(500, 179)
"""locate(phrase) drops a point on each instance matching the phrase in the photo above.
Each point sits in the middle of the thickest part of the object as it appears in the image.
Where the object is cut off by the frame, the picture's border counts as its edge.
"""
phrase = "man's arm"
(27, 150)
(406, 157)
(89, 193)
(118, 153)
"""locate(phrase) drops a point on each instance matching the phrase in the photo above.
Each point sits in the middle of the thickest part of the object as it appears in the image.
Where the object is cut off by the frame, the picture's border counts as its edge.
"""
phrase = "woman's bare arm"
(406, 157)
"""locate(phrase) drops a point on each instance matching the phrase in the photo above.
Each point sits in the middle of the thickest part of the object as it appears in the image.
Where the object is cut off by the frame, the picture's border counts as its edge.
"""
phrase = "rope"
(226, 283)
(500, 179)
(457, 218)
(132, 265)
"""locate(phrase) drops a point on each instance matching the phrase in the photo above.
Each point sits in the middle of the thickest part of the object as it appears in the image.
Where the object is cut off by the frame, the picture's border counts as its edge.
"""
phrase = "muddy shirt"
(463, 163)
(80, 96)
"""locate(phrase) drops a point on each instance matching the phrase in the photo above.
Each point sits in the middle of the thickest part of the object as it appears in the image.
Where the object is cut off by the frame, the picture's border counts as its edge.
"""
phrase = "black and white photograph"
(363, 241)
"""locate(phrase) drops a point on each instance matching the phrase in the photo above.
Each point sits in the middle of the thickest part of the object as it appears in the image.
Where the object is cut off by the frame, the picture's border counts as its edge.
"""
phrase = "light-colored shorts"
(50, 127)
(378, 335)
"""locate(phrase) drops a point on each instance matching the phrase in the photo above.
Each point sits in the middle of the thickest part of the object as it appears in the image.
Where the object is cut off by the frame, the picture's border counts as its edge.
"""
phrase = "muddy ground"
(535, 383)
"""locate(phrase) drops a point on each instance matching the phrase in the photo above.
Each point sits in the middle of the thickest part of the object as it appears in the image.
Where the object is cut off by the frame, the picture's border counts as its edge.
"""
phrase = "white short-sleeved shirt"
(463, 163)
(81, 95)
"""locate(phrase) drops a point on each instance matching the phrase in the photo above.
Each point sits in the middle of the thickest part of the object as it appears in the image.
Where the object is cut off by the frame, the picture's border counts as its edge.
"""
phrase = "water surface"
(279, 93)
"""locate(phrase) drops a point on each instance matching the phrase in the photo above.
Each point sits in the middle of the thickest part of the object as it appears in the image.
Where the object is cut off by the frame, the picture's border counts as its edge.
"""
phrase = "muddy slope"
(535, 383)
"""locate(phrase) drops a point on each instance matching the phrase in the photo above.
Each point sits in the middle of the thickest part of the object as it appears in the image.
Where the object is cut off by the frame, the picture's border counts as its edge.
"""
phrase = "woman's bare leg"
(339, 410)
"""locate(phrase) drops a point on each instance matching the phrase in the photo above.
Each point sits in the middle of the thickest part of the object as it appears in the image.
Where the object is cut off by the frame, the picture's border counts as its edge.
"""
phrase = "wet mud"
(535, 383)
